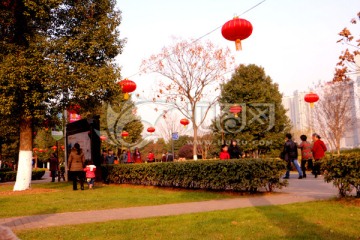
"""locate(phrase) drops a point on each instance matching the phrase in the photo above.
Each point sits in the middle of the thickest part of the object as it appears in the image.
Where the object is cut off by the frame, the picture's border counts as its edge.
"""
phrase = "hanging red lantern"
(127, 86)
(236, 30)
(74, 111)
(151, 129)
(124, 134)
(235, 109)
(35, 149)
(311, 98)
(184, 122)
(103, 138)
(54, 148)
(62, 147)
(41, 150)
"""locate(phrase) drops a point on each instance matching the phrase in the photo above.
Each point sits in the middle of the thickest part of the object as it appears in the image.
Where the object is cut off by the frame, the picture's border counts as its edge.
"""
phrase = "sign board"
(57, 135)
(175, 136)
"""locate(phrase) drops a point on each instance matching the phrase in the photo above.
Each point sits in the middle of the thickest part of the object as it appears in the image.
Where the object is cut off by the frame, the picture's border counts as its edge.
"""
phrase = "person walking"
(54, 166)
(290, 154)
(76, 165)
(137, 156)
(163, 157)
(318, 151)
(129, 156)
(110, 158)
(169, 157)
(103, 157)
(151, 157)
(306, 155)
(90, 174)
(234, 150)
(224, 154)
(123, 157)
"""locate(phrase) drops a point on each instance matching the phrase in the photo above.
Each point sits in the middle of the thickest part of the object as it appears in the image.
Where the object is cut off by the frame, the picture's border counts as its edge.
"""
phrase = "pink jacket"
(90, 171)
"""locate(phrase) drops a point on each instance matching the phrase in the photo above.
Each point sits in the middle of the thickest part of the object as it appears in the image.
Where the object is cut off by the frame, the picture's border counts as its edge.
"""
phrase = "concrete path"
(303, 190)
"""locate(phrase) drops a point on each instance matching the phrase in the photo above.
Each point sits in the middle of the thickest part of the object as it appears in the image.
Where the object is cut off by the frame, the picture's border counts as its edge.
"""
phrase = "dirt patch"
(27, 192)
(349, 201)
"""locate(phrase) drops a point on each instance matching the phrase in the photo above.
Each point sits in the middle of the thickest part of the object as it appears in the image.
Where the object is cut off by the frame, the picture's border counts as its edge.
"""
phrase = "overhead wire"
(199, 38)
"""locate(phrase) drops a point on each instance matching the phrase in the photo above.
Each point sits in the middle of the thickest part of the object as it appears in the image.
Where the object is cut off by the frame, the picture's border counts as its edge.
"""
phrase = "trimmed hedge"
(239, 175)
(9, 176)
(344, 172)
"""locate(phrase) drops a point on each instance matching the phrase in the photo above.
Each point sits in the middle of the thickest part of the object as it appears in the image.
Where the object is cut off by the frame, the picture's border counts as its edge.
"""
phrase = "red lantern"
(127, 86)
(103, 138)
(35, 149)
(62, 147)
(124, 134)
(235, 109)
(236, 30)
(41, 150)
(311, 98)
(184, 122)
(54, 148)
(74, 113)
(151, 129)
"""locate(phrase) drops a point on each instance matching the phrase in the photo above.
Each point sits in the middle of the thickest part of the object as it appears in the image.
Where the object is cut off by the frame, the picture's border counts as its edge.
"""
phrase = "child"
(90, 174)
(224, 152)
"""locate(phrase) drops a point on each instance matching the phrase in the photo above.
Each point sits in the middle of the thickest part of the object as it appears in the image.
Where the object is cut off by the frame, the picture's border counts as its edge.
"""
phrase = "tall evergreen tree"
(54, 53)
(260, 126)
(116, 116)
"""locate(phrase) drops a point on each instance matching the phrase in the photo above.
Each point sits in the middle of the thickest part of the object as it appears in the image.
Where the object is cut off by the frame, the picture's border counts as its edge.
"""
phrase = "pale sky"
(295, 41)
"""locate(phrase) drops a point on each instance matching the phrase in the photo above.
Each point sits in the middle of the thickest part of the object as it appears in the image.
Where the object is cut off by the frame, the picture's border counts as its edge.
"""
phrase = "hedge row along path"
(304, 190)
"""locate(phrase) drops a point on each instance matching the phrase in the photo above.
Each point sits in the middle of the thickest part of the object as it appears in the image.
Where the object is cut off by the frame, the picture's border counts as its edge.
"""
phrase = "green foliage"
(158, 148)
(54, 53)
(344, 172)
(252, 89)
(116, 116)
(9, 176)
(239, 175)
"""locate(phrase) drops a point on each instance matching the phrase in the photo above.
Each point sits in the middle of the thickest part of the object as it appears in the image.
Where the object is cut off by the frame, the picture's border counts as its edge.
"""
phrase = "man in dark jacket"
(291, 155)
(54, 166)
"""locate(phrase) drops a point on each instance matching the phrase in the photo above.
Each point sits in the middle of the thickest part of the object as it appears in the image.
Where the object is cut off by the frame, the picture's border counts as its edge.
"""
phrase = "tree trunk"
(195, 141)
(23, 176)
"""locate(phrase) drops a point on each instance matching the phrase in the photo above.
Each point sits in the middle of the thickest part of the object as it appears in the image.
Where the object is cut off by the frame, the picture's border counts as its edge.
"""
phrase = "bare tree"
(205, 144)
(193, 71)
(170, 124)
(334, 112)
(347, 60)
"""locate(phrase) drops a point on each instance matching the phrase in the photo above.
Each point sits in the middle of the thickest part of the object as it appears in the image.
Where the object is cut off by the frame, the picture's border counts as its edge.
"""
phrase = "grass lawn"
(315, 220)
(59, 197)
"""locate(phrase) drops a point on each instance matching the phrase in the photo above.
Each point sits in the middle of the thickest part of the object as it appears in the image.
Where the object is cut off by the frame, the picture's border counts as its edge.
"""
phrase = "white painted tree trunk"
(23, 176)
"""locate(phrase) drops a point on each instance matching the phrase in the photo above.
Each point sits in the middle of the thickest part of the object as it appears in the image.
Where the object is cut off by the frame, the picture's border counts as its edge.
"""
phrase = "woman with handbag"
(76, 165)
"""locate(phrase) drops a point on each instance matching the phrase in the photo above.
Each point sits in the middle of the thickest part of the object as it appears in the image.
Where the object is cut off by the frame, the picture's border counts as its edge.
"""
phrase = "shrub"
(186, 151)
(37, 174)
(238, 175)
(10, 176)
(344, 172)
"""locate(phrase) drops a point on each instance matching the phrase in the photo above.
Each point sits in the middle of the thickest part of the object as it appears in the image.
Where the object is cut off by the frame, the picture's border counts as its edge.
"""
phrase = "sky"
(295, 41)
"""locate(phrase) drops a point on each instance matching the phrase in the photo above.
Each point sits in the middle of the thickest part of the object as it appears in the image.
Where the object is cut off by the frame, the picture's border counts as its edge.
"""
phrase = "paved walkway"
(304, 190)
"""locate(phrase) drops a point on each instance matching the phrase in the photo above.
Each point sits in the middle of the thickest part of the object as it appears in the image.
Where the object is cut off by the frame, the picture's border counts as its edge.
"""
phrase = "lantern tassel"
(238, 45)
(312, 105)
(126, 96)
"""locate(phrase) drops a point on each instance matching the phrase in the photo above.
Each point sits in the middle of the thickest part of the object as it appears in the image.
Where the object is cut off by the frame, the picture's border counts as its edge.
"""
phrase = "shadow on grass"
(295, 226)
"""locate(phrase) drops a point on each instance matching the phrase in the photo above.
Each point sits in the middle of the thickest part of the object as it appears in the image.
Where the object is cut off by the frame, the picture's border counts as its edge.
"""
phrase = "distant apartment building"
(302, 118)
